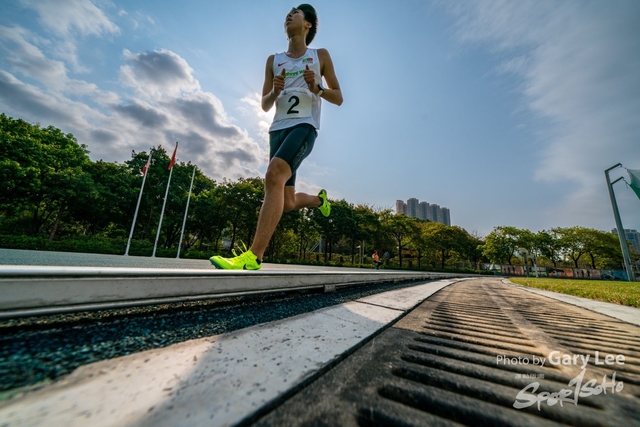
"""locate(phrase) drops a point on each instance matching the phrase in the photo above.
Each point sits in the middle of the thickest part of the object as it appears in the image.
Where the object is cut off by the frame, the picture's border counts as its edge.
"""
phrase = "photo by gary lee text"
(557, 358)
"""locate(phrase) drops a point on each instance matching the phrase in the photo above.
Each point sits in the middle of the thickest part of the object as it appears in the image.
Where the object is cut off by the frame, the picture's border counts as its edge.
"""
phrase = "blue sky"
(506, 112)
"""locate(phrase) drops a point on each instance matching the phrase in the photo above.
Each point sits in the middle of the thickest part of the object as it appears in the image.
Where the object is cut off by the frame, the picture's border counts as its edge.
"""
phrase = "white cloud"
(169, 99)
(579, 65)
(157, 73)
(251, 107)
(27, 58)
(66, 16)
(167, 103)
(69, 20)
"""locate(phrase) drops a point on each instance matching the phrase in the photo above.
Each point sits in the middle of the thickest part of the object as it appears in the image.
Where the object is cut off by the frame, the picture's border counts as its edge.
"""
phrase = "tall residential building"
(423, 210)
(412, 208)
(433, 212)
(632, 236)
(446, 216)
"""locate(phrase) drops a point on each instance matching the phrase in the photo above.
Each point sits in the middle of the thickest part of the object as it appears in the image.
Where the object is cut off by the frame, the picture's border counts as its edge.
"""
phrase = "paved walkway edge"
(213, 381)
(621, 312)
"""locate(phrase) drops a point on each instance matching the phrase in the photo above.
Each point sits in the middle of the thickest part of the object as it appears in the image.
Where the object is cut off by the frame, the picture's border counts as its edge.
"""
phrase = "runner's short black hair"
(311, 16)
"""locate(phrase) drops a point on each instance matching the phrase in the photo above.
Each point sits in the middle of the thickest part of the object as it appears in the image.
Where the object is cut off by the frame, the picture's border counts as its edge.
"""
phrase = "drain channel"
(469, 355)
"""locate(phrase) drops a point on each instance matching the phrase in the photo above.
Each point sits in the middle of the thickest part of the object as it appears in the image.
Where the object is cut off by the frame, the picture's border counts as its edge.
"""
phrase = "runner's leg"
(278, 172)
(296, 200)
(288, 148)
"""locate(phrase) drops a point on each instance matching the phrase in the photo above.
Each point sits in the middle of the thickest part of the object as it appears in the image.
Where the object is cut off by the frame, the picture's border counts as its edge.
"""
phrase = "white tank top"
(296, 104)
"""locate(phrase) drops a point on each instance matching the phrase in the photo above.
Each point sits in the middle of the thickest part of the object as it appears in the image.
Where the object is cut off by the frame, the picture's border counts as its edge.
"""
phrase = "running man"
(293, 83)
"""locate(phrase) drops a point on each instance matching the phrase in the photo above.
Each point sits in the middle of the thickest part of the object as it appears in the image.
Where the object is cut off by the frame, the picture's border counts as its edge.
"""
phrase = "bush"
(84, 244)
(95, 245)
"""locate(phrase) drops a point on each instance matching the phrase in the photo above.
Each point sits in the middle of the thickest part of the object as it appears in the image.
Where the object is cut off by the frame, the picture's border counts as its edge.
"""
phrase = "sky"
(507, 112)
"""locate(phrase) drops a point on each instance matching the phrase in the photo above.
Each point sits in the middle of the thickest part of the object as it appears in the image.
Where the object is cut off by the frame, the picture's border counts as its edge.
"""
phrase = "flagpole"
(184, 221)
(135, 215)
(164, 203)
(621, 236)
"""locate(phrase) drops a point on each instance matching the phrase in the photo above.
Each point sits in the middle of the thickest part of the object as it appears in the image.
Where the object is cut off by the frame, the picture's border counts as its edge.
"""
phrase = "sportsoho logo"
(576, 388)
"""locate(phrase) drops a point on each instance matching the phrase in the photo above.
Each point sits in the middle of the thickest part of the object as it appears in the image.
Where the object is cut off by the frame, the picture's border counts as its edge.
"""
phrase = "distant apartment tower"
(446, 216)
(432, 214)
(633, 237)
(423, 210)
(413, 208)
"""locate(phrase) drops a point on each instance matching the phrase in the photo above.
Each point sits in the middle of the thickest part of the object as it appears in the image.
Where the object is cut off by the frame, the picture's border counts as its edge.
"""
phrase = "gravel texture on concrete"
(41, 349)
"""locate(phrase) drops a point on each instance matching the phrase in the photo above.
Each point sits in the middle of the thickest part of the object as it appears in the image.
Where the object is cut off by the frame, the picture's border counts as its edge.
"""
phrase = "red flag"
(144, 168)
(173, 158)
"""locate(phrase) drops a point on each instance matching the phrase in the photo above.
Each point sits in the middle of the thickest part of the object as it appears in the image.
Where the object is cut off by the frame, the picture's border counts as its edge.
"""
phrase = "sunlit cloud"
(578, 73)
(160, 101)
(251, 107)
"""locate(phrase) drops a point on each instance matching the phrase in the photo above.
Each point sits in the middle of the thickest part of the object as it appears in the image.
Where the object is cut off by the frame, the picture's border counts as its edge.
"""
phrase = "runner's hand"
(278, 83)
(310, 78)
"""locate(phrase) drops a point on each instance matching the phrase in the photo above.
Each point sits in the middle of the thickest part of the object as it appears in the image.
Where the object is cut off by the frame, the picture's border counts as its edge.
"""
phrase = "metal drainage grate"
(460, 359)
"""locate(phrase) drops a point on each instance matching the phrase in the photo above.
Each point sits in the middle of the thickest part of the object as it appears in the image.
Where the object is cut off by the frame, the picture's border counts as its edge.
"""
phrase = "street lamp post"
(616, 214)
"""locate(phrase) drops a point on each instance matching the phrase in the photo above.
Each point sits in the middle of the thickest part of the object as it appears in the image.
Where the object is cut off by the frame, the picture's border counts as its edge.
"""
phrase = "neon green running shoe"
(245, 261)
(325, 207)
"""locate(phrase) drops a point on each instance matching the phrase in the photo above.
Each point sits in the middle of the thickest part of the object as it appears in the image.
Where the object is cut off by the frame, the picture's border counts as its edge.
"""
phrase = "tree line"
(50, 189)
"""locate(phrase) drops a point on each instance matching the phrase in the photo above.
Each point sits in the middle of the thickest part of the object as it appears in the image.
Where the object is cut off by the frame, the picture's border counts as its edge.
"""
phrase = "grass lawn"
(624, 293)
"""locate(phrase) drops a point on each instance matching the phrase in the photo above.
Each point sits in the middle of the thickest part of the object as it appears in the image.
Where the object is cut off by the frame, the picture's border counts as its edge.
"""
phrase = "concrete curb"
(620, 312)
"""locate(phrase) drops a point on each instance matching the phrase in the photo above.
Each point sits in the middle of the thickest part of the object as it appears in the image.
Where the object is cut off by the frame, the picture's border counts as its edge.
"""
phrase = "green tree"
(346, 225)
(370, 231)
(419, 242)
(242, 200)
(330, 228)
(603, 249)
(109, 207)
(177, 202)
(306, 231)
(197, 219)
(550, 248)
(400, 227)
(43, 172)
(210, 217)
(574, 242)
(20, 154)
(500, 244)
(445, 240)
(154, 190)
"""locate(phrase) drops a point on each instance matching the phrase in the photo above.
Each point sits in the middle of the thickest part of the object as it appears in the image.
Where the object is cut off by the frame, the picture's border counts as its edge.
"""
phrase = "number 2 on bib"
(293, 103)
(296, 101)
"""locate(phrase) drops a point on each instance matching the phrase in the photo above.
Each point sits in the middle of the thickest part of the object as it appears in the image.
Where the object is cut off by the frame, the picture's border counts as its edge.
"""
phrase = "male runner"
(293, 83)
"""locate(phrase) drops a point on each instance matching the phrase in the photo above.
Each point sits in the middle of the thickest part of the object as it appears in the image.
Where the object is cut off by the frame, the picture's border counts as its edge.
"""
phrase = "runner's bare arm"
(272, 86)
(332, 92)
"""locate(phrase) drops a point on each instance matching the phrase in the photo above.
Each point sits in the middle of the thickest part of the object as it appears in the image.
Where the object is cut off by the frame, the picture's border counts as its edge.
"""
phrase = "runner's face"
(294, 18)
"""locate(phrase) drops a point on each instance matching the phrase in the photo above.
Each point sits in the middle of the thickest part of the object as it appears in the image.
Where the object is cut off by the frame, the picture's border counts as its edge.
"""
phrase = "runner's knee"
(289, 205)
(277, 173)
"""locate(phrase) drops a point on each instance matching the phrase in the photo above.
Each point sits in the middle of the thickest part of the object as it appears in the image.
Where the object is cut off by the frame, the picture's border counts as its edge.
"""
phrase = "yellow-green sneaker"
(325, 207)
(245, 261)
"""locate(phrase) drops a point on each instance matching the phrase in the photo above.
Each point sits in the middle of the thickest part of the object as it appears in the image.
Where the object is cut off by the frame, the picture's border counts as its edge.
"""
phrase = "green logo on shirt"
(293, 73)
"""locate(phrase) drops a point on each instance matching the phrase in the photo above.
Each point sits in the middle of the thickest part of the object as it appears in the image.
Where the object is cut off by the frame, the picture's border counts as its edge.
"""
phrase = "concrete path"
(622, 312)
(215, 381)
(231, 378)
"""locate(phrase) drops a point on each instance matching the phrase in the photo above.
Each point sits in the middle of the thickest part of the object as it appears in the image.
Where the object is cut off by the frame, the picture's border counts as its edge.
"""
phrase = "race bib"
(293, 103)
